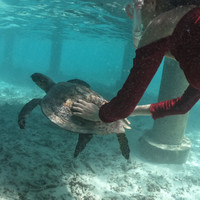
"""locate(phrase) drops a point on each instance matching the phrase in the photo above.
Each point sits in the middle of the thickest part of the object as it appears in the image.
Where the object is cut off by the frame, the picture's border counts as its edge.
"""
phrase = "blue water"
(93, 36)
(93, 42)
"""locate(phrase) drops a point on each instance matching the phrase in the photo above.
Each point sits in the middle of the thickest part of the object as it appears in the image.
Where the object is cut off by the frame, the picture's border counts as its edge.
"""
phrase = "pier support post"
(56, 50)
(127, 63)
(7, 62)
(166, 142)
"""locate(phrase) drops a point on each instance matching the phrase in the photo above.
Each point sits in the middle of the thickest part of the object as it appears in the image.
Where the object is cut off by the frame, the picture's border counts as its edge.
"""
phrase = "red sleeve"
(146, 63)
(180, 105)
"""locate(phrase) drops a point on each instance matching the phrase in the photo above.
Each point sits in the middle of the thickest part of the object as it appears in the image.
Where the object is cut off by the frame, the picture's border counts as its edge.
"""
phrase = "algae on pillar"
(166, 142)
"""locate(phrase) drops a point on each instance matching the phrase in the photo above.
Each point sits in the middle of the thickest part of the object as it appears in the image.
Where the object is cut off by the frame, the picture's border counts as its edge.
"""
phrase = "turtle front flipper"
(124, 147)
(25, 111)
(83, 139)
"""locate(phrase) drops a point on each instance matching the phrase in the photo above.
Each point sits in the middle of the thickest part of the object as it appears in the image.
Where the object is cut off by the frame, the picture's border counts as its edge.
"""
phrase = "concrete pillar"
(127, 63)
(56, 51)
(166, 142)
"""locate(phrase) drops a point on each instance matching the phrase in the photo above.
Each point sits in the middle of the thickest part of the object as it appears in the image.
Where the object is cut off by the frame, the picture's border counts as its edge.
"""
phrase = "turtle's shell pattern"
(57, 104)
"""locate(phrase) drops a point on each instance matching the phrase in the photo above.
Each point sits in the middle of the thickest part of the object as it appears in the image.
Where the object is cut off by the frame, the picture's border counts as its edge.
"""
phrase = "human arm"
(91, 111)
(180, 105)
(146, 63)
(141, 110)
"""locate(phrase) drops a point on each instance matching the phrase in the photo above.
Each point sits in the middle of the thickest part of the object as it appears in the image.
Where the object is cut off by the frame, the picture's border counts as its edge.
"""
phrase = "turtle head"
(44, 82)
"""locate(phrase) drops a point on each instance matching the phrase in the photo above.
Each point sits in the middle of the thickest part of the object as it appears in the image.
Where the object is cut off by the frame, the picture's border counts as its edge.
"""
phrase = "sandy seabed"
(37, 163)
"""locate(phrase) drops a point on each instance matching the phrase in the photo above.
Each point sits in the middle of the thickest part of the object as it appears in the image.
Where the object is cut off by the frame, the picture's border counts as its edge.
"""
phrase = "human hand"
(86, 110)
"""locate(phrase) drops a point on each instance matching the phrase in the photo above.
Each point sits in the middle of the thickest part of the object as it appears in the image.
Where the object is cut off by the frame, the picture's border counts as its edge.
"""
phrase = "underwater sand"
(37, 163)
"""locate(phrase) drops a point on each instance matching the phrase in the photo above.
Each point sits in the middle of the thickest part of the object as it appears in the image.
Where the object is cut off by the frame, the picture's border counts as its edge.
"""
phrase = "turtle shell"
(57, 106)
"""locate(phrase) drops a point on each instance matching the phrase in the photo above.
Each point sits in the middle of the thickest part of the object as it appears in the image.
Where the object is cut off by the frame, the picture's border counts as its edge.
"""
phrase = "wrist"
(141, 110)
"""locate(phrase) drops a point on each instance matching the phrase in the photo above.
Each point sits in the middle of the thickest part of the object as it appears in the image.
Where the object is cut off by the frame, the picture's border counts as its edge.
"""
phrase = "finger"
(83, 102)
(80, 105)
(77, 114)
(77, 109)
(80, 100)
(127, 121)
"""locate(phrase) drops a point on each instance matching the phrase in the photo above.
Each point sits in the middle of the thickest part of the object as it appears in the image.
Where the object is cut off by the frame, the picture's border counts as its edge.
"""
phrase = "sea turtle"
(56, 105)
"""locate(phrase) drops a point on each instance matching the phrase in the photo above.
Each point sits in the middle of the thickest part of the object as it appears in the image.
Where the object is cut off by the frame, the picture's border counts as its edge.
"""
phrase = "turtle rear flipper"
(124, 147)
(83, 139)
(25, 111)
